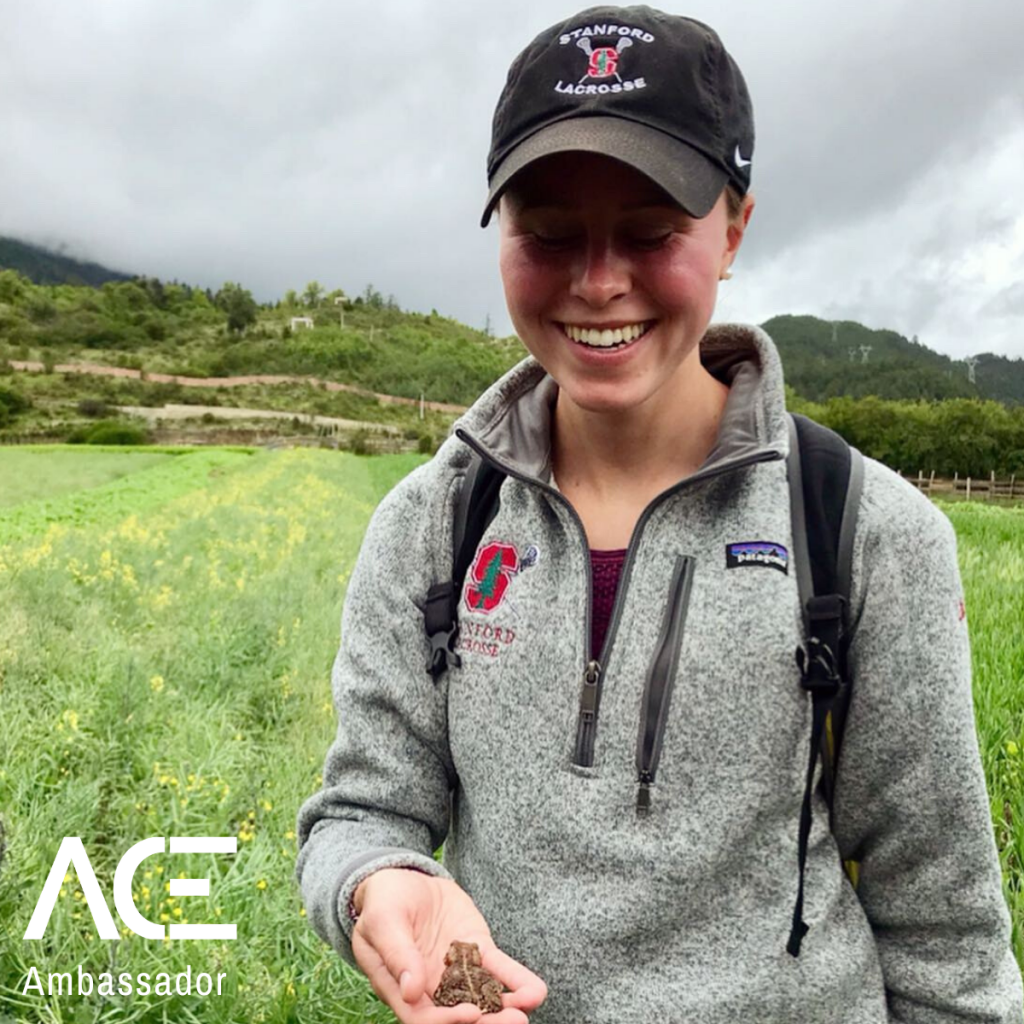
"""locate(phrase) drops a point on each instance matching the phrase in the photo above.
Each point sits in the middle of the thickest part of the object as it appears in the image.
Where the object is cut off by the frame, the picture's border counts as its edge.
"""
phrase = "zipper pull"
(588, 702)
(583, 755)
(643, 794)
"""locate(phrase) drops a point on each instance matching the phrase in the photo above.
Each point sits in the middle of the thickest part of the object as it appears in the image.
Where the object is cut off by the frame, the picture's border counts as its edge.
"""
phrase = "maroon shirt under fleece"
(606, 567)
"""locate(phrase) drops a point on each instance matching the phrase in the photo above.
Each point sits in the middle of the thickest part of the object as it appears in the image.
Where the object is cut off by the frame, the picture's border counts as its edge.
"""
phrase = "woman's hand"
(407, 921)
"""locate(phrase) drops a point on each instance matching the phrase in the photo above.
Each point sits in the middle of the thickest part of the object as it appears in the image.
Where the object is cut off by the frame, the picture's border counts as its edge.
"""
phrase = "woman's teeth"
(606, 339)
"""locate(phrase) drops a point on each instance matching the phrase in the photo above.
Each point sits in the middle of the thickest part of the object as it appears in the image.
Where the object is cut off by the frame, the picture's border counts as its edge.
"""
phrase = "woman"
(638, 441)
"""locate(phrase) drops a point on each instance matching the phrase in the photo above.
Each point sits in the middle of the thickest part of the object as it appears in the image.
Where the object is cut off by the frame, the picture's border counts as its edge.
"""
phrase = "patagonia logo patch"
(757, 552)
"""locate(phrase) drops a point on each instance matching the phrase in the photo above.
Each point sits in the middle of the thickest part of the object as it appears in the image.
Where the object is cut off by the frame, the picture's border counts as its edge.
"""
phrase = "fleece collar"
(511, 420)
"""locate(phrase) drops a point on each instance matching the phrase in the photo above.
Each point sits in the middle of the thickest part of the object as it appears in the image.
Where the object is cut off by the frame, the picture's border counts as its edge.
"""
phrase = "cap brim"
(688, 176)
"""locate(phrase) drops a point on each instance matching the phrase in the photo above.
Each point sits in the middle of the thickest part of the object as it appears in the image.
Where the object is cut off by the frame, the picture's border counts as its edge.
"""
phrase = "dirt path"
(228, 382)
(183, 412)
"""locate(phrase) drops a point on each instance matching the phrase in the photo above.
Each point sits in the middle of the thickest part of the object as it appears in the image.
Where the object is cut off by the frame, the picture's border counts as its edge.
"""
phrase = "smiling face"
(590, 245)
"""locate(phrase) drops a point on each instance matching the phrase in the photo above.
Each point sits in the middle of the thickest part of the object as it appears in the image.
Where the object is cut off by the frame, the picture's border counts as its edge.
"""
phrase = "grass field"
(169, 623)
(66, 471)
(165, 654)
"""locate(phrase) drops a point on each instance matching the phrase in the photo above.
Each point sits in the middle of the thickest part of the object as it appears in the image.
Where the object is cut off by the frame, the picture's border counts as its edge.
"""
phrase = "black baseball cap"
(656, 91)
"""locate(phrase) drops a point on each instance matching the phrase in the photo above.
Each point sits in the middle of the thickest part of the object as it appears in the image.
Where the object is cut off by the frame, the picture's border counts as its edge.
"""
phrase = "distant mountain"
(822, 359)
(46, 267)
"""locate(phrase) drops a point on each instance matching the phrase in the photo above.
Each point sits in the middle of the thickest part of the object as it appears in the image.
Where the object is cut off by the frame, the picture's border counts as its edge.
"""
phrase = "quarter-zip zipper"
(584, 753)
(660, 675)
(587, 723)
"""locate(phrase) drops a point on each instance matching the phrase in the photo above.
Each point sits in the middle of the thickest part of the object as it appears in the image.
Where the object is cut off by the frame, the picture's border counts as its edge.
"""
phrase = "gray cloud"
(273, 144)
(1009, 303)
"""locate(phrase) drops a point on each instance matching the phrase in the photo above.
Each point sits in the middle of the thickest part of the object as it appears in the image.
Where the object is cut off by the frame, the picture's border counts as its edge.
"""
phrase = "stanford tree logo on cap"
(603, 61)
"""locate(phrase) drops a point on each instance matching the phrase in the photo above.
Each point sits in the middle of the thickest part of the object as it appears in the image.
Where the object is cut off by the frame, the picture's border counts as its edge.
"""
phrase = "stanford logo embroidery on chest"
(757, 553)
(493, 568)
(491, 573)
(487, 585)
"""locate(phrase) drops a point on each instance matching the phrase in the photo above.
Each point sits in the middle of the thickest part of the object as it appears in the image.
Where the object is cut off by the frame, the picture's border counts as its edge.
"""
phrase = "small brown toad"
(465, 981)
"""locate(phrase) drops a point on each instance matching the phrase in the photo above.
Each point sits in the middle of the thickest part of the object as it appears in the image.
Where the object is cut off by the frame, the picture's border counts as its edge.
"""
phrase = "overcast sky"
(272, 143)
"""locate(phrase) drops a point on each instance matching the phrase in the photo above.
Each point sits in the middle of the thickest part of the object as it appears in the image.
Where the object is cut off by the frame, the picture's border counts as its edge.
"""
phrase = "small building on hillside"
(301, 321)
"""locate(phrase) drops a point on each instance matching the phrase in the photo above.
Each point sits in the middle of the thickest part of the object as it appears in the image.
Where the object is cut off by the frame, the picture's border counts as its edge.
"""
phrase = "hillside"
(42, 266)
(906, 406)
(157, 328)
(819, 365)
(175, 328)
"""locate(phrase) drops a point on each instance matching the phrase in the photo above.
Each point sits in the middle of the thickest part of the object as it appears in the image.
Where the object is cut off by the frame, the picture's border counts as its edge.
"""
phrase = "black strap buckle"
(441, 653)
(442, 628)
(818, 667)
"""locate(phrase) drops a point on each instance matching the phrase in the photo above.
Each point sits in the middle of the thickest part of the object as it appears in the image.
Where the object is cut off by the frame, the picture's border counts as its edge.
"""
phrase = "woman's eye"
(652, 241)
(553, 241)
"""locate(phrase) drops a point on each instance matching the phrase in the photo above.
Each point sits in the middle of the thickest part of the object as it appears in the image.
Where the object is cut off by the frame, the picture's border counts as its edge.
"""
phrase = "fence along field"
(165, 650)
(980, 488)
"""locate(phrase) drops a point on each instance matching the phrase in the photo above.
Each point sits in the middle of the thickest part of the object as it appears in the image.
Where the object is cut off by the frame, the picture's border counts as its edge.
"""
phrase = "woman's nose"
(600, 274)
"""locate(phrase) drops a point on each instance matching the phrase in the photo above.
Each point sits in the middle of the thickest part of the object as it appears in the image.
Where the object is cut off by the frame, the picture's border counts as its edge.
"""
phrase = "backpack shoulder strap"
(825, 480)
(476, 506)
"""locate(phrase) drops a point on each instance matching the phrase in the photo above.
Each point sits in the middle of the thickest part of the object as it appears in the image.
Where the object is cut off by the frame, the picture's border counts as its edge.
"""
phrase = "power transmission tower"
(865, 349)
(853, 355)
(971, 364)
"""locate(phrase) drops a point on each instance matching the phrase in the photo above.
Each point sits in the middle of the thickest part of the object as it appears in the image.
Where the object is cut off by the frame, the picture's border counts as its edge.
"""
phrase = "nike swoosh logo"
(740, 162)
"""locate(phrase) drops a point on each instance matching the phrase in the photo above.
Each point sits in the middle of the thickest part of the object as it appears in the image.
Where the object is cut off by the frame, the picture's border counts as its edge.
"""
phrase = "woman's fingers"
(415, 1005)
(528, 990)
(399, 953)
(423, 1010)
(509, 1015)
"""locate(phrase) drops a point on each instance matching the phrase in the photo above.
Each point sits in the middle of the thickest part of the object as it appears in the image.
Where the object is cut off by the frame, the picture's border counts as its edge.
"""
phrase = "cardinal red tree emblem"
(604, 59)
(493, 568)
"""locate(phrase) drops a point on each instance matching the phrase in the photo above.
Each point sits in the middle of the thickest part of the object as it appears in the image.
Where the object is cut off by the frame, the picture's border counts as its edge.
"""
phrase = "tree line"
(970, 436)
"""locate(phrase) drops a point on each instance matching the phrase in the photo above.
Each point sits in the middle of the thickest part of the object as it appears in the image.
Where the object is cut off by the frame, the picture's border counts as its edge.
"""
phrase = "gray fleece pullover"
(681, 914)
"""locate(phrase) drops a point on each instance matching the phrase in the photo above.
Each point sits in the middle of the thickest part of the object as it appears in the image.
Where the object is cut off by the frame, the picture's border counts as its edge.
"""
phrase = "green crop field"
(66, 471)
(169, 622)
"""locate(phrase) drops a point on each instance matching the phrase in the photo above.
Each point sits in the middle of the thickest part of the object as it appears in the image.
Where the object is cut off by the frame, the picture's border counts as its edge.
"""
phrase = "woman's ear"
(734, 233)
